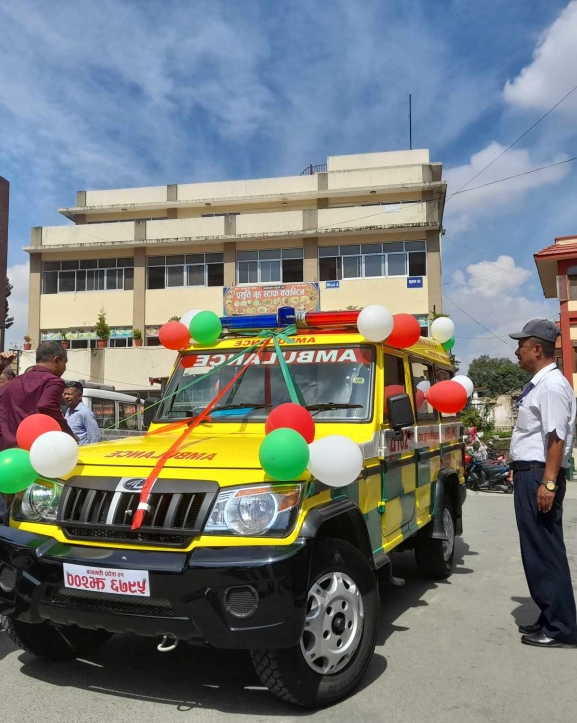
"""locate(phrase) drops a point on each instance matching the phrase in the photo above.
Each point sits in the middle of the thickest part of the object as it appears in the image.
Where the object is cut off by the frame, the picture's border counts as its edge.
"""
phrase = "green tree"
(496, 375)
(8, 320)
(479, 417)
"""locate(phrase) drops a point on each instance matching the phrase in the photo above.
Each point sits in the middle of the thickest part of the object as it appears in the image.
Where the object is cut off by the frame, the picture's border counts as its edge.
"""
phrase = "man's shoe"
(530, 629)
(544, 641)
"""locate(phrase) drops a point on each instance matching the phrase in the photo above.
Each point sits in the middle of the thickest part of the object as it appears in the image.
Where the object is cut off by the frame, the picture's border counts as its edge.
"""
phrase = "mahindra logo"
(133, 484)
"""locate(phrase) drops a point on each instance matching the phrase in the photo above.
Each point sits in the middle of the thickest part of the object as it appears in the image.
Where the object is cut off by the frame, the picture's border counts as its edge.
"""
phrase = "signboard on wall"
(414, 282)
(266, 299)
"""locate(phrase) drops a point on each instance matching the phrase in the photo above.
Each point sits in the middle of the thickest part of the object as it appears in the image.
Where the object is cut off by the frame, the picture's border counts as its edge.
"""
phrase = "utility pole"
(410, 124)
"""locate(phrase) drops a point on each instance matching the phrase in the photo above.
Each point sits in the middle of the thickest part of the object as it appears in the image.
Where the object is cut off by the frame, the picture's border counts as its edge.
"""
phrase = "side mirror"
(149, 411)
(400, 410)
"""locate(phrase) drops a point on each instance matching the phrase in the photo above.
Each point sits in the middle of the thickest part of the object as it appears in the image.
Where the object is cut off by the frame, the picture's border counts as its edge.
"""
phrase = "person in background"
(80, 418)
(6, 375)
(541, 444)
(38, 390)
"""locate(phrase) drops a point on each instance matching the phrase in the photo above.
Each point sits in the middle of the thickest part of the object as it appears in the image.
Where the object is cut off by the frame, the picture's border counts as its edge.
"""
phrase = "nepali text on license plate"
(101, 579)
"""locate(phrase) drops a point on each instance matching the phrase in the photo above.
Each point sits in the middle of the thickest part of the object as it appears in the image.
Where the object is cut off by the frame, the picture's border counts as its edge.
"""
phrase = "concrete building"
(4, 206)
(557, 266)
(361, 229)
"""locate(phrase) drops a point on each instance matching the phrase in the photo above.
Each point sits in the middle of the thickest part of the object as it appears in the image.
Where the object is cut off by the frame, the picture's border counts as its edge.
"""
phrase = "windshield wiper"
(239, 405)
(327, 406)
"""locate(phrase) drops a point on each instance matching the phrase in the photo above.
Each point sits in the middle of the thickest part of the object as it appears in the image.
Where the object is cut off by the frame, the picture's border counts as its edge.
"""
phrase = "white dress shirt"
(548, 407)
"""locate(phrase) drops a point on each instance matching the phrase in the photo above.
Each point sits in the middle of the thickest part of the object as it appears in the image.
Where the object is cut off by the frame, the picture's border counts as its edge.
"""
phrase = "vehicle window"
(422, 376)
(394, 379)
(331, 375)
(127, 418)
(103, 412)
(442, 375)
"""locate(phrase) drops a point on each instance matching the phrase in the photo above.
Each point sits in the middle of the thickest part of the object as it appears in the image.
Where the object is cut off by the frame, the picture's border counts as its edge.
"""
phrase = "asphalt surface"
(447, 652)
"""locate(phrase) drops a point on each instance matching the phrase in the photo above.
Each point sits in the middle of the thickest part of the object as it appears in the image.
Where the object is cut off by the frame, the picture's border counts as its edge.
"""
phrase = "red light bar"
(326, 319)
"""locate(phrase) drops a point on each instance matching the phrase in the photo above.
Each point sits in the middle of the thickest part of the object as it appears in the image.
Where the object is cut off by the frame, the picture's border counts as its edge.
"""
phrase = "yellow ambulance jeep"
(225, 555)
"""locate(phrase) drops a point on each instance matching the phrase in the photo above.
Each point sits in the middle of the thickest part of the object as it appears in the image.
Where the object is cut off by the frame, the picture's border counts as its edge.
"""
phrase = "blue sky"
(150, 92)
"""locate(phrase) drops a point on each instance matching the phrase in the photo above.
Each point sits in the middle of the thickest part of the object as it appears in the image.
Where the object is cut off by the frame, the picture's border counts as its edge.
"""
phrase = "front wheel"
(435, 557)
(339, 635)
(51, 642)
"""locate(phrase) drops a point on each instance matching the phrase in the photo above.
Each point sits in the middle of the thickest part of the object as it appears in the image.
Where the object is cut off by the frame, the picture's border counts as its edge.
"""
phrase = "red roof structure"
(546, 261)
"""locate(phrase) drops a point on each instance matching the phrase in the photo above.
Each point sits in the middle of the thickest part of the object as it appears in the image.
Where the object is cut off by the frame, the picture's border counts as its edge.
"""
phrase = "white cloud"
(466, 208)
(18, 303)
(553, 70)
(494, 294)
(490, 278)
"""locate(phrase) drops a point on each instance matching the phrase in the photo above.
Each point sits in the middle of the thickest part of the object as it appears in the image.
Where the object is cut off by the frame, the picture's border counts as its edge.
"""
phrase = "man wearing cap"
(541, 445)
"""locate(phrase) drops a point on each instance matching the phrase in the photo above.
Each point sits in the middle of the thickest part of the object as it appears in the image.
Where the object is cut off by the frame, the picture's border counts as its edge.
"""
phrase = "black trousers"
(544, 555)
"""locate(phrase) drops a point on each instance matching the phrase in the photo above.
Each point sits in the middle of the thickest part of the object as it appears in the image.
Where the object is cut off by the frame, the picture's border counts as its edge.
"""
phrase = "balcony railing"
(311, 170)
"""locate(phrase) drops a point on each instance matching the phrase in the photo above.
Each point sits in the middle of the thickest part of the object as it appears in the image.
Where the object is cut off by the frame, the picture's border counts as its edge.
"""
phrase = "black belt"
(526, 466)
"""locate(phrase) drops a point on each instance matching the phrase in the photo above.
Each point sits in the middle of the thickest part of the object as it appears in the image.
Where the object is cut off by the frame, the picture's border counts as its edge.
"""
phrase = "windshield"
(336, 375)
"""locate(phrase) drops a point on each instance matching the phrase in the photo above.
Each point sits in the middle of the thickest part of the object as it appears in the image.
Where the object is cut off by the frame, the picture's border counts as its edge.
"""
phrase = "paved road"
(447, 653)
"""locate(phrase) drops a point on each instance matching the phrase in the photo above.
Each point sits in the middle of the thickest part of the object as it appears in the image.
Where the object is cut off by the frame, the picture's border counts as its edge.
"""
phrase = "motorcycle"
(488, 476)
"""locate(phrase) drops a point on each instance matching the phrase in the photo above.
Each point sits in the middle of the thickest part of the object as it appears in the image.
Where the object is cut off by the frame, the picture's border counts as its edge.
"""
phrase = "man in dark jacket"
(38, 390)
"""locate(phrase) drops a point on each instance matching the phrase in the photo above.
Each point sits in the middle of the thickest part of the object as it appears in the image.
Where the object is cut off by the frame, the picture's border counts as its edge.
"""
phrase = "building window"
(59, 277)
(358, 261)
(85, 338)
(261, 267)
(572, 282)
(168, 272)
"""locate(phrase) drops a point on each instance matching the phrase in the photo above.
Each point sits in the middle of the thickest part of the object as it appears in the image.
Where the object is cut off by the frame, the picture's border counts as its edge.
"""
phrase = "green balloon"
(284, 454)
(448, 345)
(16, 472)
(205, 327)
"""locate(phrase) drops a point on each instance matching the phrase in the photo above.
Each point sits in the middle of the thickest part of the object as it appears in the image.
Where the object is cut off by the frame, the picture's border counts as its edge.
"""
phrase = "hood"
(200, 452)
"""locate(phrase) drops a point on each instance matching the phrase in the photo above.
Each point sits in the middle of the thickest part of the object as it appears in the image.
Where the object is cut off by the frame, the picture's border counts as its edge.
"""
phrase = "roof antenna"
(410, 124)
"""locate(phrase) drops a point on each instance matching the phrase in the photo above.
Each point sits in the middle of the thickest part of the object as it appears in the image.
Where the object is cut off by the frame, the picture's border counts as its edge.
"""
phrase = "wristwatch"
(551, 486)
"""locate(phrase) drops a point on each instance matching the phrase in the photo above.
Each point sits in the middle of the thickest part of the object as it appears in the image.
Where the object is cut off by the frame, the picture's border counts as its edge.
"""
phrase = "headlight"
(264, 510)
(40, 502)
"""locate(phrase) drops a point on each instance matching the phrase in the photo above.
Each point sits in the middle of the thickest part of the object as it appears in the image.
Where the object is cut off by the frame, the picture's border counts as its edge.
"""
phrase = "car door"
(399, 475)
(427, 441)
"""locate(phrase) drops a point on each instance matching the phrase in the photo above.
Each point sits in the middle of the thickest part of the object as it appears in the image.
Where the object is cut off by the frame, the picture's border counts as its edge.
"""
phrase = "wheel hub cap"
(334, 623)
(449, 528)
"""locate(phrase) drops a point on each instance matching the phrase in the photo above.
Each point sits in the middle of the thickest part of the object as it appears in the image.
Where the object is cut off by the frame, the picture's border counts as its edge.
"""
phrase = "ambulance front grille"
(96, 509)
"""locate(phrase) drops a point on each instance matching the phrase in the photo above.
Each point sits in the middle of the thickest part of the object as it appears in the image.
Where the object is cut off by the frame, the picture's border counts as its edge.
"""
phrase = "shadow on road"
(192, 678)
(397, 600)
(527, 611)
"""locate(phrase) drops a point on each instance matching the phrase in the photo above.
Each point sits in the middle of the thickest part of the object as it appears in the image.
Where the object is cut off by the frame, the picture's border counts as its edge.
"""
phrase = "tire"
(338, 570)
(45, 640)
(435, 557)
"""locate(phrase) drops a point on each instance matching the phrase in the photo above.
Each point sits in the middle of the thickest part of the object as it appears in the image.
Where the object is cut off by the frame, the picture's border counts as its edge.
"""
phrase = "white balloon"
(424, 386)
(54, 454)
(375, 322)
(465, 382)
(188, 317)
(442, 329)
(335, 461)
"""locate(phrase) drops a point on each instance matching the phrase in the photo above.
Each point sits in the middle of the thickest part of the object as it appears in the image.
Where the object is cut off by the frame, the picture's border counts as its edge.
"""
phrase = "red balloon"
(294, 417)
(406, 331)
(32, 427)
(447, 398)
(174, 335)
(392, 389)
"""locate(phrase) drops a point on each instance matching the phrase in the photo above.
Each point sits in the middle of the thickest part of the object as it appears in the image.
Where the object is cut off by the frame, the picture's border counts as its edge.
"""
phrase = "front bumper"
(190, 592)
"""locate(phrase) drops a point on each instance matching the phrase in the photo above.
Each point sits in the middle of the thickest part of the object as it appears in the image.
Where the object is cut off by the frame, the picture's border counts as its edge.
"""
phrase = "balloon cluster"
(43, 451)
(449, 396)
(198, 327)
(376, 323)
(289, 449)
